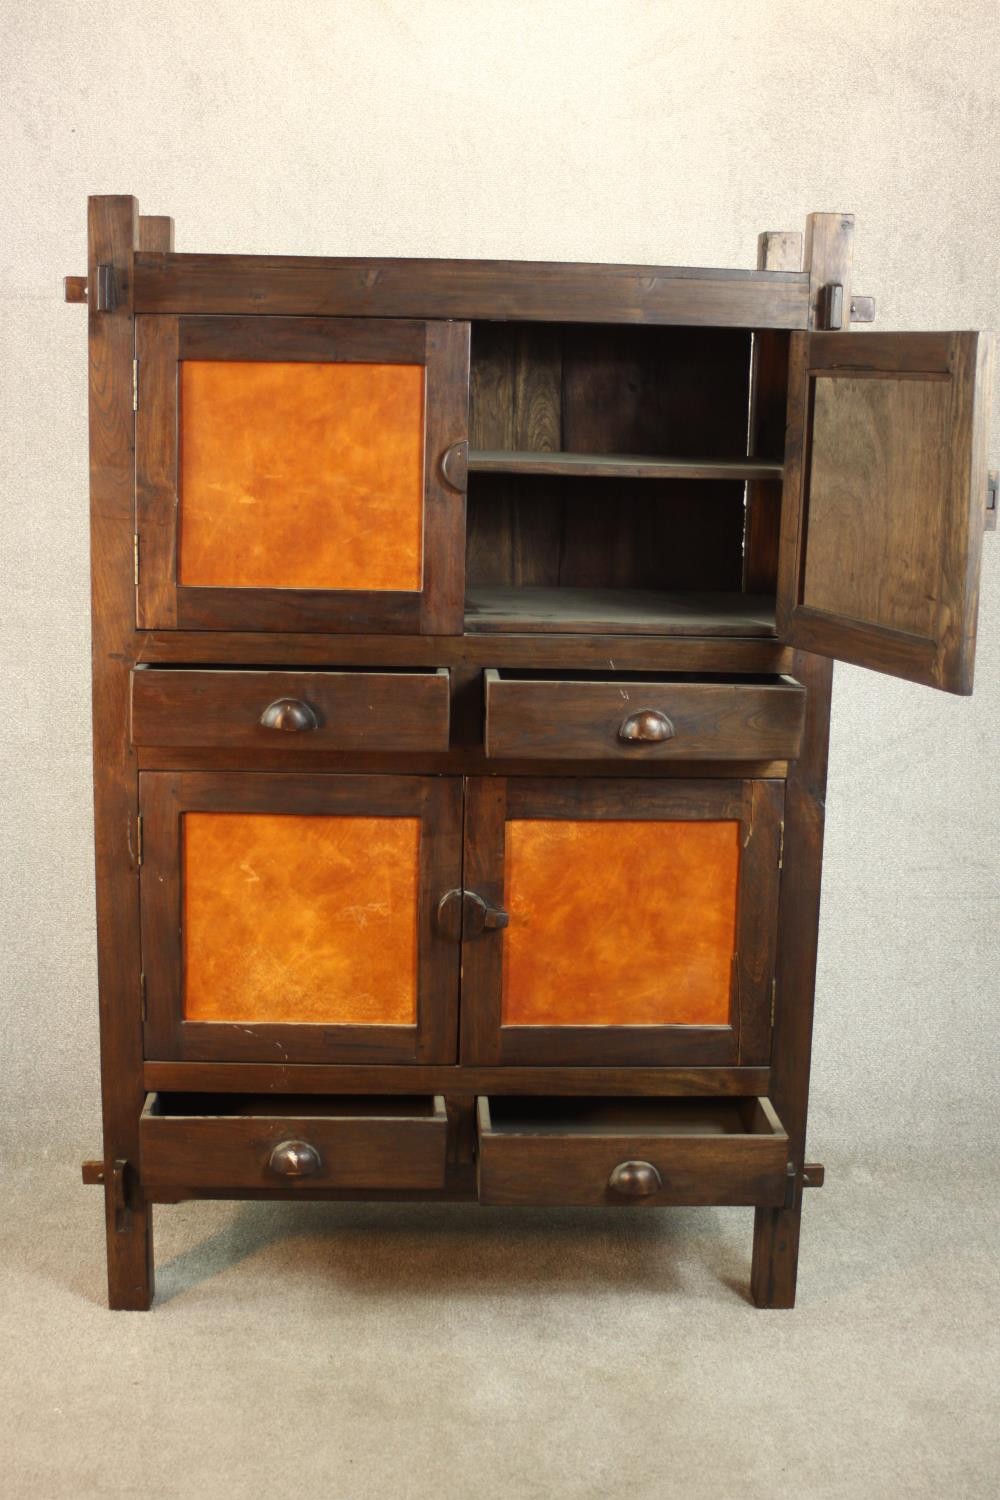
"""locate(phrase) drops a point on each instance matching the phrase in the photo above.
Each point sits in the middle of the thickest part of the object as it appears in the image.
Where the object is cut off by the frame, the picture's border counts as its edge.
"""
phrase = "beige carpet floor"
(349, 1352)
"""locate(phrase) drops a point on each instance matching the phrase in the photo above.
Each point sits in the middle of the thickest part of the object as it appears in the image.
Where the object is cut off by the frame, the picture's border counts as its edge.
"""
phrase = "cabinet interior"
(609, 475)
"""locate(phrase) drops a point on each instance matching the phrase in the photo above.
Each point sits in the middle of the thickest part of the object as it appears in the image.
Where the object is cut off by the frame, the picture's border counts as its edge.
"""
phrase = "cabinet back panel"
(619, 923)
(288, 470)
(604, 533)
(300, 918)
(667, 392)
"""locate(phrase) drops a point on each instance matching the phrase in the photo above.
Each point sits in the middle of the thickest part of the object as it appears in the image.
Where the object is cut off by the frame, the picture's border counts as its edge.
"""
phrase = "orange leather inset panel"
(301, 475)
(619, 923)
(300, 918)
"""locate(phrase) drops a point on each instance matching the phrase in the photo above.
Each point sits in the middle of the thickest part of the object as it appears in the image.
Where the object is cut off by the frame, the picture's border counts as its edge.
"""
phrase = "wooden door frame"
(756, 804)
(164, 797)
(162, 603)
(962, 362)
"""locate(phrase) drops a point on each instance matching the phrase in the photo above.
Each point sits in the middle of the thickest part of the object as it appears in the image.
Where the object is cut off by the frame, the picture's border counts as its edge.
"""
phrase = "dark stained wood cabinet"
(462, 639)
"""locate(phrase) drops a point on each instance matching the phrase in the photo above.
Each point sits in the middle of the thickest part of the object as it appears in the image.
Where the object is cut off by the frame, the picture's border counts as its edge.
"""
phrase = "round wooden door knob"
(649, 727)
(294, 1159)
(635, 1179)
(289, 714)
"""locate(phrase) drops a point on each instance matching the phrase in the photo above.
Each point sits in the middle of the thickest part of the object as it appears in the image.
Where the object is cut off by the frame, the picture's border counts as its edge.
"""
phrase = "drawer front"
(268, 1143)
(630, 1152)
(637, 720)
(296, 711)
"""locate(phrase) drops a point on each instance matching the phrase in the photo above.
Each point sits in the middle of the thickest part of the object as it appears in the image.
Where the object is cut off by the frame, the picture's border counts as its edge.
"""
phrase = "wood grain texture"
(722, 653)
(156, 233)
(112, 236)
(528, 290)
(584, 611)
(407, 1078)
(882, 524)
(563, 1152)
(827, 257)
(776, 250)
(777, 1231)
(396, 712)
(549, 718)
(297, 475)
(619, 923)
(363, 1143)
(619, 465)
(866, 558)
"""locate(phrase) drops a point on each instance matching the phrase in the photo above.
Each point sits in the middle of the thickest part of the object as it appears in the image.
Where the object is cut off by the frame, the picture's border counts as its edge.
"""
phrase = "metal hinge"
(781, 844)
(135, 385)
(142, 994)
(992, 486)
(774, 1000)
(831, 305)
(138, 839)
(135, 557)
(106, 299)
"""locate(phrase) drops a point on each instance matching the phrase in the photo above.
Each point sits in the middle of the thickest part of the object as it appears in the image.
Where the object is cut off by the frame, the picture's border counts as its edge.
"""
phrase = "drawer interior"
(713, 679)
(628, 1118)
(298, 1106)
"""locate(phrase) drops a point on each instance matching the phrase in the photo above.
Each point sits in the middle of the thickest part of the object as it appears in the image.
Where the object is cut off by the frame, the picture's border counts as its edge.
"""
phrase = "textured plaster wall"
(621, 131)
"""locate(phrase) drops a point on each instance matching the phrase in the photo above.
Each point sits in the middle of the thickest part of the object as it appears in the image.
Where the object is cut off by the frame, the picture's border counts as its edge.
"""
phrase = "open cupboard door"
(883, 503)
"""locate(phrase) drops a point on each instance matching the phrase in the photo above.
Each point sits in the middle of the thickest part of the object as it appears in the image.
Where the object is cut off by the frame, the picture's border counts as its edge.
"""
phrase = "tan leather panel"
(301, 475)
(300, 918)
(619, 923)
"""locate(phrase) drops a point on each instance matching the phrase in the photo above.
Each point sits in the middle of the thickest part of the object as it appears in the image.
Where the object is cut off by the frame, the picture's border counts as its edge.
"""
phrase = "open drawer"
(641, 716)
(606, 1152)
(291, 711)
(259, 1141)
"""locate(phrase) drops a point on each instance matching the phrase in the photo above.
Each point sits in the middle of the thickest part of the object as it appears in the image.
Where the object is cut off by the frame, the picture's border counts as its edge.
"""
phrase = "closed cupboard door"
(884, 501)
(298, 473)
(613, 922)
(290, 918)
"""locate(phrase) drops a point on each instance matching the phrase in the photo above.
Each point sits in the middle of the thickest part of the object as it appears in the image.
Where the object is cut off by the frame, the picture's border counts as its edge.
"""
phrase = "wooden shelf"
(578, 611)
(620, 465)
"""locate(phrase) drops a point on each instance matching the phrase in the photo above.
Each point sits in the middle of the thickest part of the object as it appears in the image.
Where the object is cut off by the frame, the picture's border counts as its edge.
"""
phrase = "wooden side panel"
(515, 402)
(300, 919)
(113, 232)
(619, 923)
(298, 475)
(776, 251)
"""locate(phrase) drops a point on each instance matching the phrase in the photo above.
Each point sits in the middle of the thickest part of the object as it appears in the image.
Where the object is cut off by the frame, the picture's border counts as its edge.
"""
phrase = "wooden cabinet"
(462, 639)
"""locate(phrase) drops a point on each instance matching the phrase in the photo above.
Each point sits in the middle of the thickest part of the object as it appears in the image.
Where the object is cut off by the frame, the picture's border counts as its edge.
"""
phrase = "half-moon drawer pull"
(635, 1179)
(649, 727)
(289, 714)
(294, 1159)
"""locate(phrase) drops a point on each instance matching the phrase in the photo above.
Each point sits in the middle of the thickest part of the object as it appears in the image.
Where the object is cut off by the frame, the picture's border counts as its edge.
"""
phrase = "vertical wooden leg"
(130, 1253)
(775, 1255)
